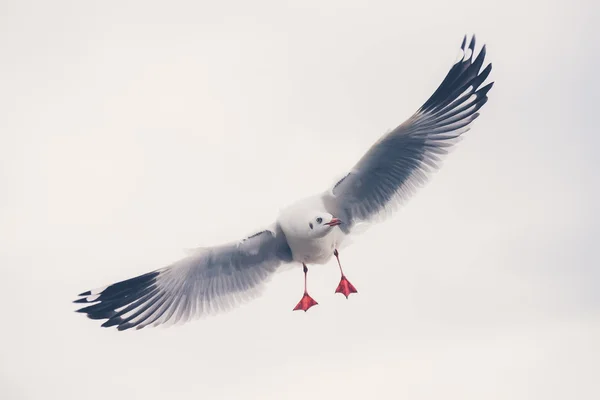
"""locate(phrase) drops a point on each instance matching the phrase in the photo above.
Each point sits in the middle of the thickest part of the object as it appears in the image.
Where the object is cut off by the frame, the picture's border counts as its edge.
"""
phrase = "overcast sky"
(132, 130)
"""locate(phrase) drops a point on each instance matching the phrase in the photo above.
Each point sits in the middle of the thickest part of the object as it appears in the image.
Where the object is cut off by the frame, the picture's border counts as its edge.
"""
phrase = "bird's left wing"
(210, 280)
(401, 160)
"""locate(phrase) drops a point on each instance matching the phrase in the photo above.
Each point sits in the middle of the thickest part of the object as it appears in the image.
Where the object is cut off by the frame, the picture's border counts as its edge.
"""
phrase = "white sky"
(132, 130)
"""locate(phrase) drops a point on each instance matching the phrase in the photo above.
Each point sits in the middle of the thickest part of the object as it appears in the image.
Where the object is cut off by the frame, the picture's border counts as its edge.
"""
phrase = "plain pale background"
(131, 130)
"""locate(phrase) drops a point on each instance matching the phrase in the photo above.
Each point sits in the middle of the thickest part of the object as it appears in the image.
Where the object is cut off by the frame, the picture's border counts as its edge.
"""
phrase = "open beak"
(334, 221)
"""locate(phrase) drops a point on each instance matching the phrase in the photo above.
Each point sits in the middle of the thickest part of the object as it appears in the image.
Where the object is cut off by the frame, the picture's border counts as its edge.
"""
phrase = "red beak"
(334, 221)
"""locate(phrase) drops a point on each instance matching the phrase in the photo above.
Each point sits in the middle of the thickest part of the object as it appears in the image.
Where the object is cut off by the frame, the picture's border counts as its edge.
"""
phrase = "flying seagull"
(310, 231)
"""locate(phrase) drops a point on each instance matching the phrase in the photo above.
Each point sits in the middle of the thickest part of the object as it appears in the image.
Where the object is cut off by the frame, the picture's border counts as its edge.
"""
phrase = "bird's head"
(319, 224)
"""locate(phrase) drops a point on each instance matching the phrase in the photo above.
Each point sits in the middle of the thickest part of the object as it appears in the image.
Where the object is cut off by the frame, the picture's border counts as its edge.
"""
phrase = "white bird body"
(313, 251)
(306, 248)
(217, 278)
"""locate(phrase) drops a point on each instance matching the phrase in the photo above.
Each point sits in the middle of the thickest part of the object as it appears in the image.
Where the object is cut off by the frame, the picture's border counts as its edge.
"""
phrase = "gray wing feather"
(208, 281)
(400, 162)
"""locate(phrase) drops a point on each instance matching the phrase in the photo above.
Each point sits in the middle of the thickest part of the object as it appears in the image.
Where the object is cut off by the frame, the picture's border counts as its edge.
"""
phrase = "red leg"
(306, 302)
(345, 287)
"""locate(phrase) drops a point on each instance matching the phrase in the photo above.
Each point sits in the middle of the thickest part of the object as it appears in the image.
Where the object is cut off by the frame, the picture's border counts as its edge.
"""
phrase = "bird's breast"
(313, 251)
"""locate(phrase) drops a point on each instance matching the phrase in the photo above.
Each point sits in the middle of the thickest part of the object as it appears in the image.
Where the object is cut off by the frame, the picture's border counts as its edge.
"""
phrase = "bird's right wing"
(209, 280)
(400, 161)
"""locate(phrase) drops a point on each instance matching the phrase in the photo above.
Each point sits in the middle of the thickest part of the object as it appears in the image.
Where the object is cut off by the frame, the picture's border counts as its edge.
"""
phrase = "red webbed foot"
(345, 287)
(305, 303)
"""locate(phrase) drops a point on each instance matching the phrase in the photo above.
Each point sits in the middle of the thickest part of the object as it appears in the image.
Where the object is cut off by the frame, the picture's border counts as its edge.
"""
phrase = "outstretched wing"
(208, 281)
(400, 161)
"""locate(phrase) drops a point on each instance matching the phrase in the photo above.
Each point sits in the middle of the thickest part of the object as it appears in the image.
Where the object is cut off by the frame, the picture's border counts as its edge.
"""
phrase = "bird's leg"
(345, 287)
(306, 302)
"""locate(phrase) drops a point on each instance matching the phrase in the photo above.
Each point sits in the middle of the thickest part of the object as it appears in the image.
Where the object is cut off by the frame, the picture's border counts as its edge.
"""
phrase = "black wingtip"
(472, 44)
(124, 296)
(111, 322)
(464, 42)
(483, 51)
(125, 326)
(484, 90)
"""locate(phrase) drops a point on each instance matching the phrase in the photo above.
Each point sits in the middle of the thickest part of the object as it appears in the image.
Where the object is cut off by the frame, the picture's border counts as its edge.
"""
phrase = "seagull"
(311, 231)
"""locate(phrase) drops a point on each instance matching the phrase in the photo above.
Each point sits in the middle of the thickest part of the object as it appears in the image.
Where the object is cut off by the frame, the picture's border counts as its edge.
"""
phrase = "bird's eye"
(319, 220)
(310, 224)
